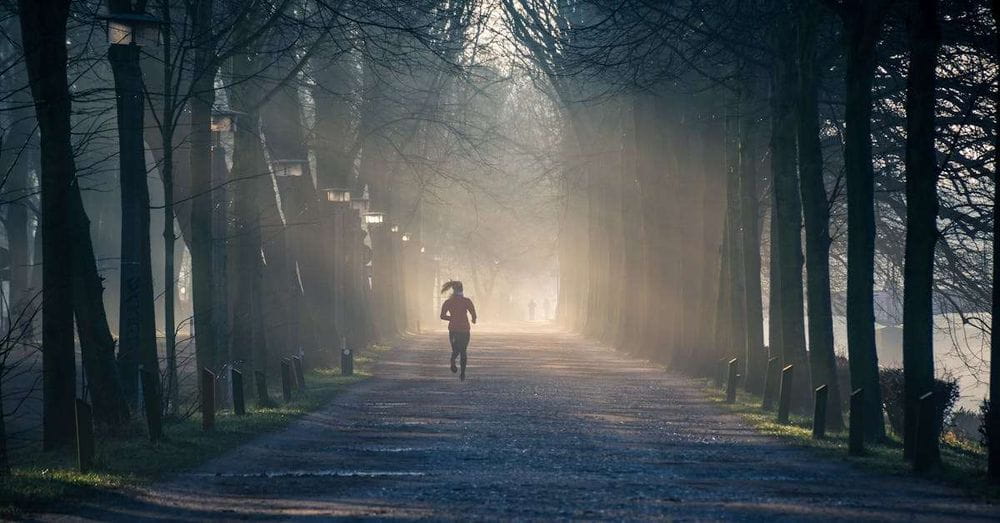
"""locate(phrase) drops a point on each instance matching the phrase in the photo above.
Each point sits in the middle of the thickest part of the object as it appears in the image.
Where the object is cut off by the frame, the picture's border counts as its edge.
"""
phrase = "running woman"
(455, 310)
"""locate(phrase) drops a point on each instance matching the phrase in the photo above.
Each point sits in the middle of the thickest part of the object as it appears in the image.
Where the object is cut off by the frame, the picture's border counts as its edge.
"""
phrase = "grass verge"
(963, 462)
(126, 459)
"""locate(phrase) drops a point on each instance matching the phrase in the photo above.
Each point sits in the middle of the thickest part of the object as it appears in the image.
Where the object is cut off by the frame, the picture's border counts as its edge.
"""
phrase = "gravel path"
(547, 426)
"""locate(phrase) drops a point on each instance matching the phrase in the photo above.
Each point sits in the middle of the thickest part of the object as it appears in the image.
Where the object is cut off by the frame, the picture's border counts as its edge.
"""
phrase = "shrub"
(965, 424)
(990, 428)
(891, 383)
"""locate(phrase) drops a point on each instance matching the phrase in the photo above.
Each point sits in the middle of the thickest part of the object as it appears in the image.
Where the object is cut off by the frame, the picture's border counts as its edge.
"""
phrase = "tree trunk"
(43, 34)
(756, 359)
(137, 316)
(993, 421)
(97, 346)
(861, 32)
(822, 359)
(200, 105)
(788, 209)
(920, 445)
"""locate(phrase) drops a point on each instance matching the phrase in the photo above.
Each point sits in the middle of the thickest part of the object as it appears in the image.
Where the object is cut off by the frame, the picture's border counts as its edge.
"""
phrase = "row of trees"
(258, 118)
(856, 138)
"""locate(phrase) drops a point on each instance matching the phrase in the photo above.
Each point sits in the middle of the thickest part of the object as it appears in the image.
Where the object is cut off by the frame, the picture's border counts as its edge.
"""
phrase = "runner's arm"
(472, 310)
(444, 312)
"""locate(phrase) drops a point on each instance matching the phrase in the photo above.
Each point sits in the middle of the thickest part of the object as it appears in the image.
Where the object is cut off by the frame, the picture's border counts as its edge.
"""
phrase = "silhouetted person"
(456, 311)
(531, 310)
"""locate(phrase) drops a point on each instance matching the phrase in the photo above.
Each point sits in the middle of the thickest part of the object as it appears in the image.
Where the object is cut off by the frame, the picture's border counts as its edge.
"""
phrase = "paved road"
(548, 425)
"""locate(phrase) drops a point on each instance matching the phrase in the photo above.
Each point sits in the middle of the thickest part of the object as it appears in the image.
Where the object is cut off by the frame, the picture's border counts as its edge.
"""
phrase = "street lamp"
(406, 237)
(360, 204)
(139, 29)
(394, 228)
(337, 195)
(374, 218)
(289, 168)
(224, 121)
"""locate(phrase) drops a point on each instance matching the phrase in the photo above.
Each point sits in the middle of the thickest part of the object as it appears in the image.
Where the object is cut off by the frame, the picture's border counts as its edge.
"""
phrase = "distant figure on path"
(455, 310)
(531, 310)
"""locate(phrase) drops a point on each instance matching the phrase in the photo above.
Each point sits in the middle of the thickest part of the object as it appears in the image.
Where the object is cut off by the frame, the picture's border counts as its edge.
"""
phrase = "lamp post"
(289, 167)
(338, 200)
(362, 202)
(223, 124)
(128, 31)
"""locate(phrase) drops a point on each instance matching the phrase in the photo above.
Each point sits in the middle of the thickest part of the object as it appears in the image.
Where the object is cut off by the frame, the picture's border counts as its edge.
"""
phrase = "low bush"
(891, 383)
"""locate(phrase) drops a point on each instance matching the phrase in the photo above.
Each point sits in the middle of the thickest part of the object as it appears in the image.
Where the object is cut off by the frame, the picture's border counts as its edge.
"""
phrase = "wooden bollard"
(819, 412)
(236, 381)
(346, 362)
(84, 436)
(785, 394)
(260, 380)
(770, 383)
(731, 381)
(300, 375)
(286, 380)
(151, 402)
(856, 431)
(207, 399)
(925, 458)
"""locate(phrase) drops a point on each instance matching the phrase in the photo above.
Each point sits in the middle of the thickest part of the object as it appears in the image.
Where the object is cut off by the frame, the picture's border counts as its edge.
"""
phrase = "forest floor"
(547, 425)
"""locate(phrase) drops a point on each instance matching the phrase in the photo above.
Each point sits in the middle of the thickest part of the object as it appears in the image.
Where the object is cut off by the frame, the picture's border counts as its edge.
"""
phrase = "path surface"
(548, 425)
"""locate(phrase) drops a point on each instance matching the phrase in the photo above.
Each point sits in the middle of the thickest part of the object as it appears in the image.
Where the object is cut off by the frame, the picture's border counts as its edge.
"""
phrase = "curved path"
(548, 425)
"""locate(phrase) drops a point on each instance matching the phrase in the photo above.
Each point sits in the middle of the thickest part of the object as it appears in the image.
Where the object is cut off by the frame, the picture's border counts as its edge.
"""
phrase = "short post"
(207, 399)
(151, 402)
(260, 380)
(731, 381)
(286, 380)
(84, 436)
(924, 457)
(819, 412)
(300, 376)
(856, 430)
(347, 362)
(236, 380)
(785, 394)
(770, 383)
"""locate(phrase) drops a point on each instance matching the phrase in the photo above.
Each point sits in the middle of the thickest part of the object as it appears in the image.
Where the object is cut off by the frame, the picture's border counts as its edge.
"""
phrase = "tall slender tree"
(920, 436)
(862, 22)
(815, 210)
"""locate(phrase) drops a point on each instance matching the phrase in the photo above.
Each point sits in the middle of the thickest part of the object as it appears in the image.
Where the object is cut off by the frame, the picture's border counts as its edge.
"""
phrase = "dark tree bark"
(862, 28)
(734, 277)
(756, 358)
(919, 444)
(774, 285)
(137, 315)
(822, 359)
(788, 206)
(97, 346)
(200, 105)
(993, 421)
(43, 33)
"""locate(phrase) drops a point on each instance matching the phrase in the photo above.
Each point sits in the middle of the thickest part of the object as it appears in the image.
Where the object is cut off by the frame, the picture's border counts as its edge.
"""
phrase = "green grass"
(126, 459)
(963, 461)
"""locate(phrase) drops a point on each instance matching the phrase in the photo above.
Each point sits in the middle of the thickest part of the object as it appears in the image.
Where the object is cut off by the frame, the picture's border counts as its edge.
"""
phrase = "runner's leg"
(463, 342)
(454, 350)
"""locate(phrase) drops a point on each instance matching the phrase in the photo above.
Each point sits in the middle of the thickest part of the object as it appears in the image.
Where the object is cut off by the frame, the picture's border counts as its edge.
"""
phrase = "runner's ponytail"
(453, 284)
